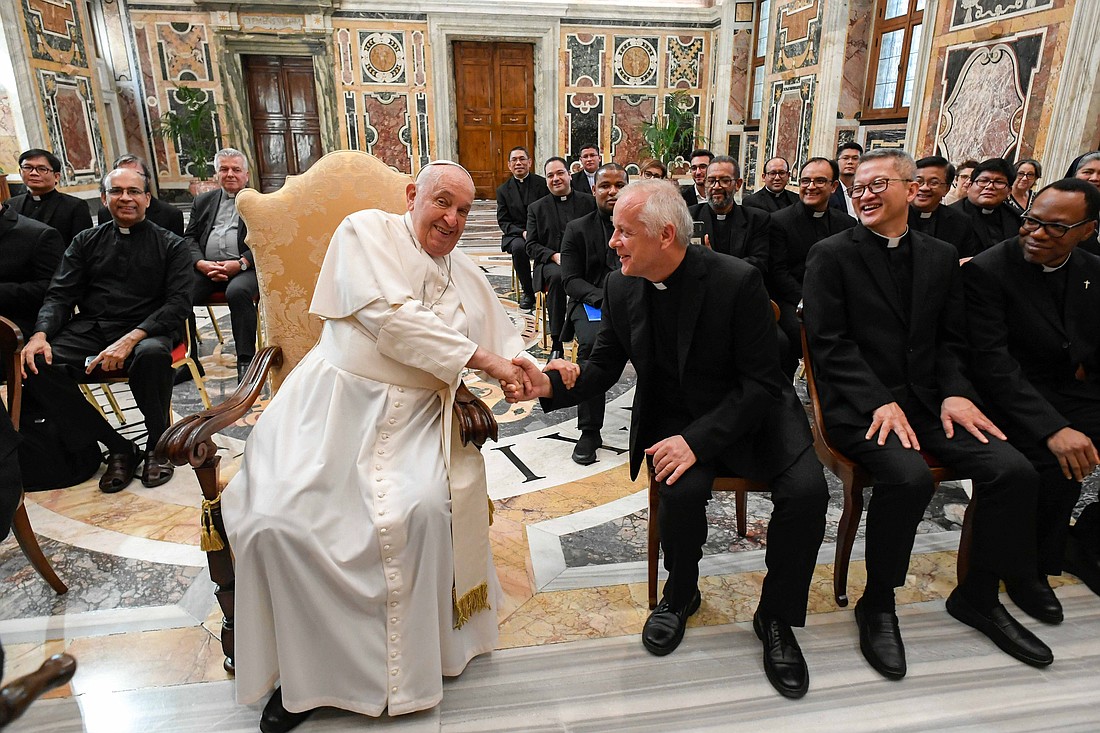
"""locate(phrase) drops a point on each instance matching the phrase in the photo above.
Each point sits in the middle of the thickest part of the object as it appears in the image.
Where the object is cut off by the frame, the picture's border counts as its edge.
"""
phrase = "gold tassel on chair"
(210, 540)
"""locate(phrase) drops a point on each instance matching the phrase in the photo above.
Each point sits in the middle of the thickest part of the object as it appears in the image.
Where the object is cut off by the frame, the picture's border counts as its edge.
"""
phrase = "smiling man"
(696, 193)
(991, 217)
(130, 284)
(928, 215)
(521, 190)
(584, 180)
(730, 229)
(773, 196)
(41, 173)
(885, 321)
(1032, 304)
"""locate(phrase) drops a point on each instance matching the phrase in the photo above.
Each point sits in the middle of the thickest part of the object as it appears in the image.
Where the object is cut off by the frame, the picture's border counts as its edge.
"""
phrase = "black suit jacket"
(838, 198)
(792, 235)
(203, 213)
(163, 215)
(749, 233)
(67, 214)
(950, 225)
(866, 352)
(769, 202)
(1002, 218)
(580, 182)
(546, 222)
(689, 195)
(1026, 353)
(744, 412)
(30, 252)
(512, 207)
(586, 260)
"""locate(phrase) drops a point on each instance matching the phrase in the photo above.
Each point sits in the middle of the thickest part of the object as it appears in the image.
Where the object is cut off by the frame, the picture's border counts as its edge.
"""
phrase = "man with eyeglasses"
(584, 180)
(728, 228)
(130, 285)
(546, 222)
(928, 215)
(1032, 304)
(847, 159)
(794, 230)
(991, 217)
(521, 190)
(885, 319)
(160, 213)
(774, 195)
(41, 173)
(696, 193)
(961, 184)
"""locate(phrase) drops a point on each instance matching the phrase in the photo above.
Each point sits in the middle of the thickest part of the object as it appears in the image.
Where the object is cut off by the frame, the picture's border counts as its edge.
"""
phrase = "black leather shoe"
(880, 642)
(277, 719)
(664, 629)
(156, 472)
(1003, 630)
(1035, 597)
(783, 661)
(122, 466)
(1084, 562)
(585, 451)
(527, 302)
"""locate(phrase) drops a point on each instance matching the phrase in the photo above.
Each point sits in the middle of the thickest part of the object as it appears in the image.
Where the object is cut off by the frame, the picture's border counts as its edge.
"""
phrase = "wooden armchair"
(288, 232)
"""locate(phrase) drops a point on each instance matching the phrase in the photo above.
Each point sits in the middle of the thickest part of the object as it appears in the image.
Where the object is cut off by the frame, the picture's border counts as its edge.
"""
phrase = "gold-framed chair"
(289, 242)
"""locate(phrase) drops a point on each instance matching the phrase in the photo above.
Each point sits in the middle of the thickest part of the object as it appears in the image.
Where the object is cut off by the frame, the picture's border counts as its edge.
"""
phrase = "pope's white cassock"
(357, 514)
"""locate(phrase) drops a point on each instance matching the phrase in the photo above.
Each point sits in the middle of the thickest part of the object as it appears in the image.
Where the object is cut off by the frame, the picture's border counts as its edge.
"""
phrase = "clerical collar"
(135, 229)
(925, 214)
(35, 198)
(775, 194)
(1059, 267)
(659, 286)
(721, 217)
(673, 279)
(563, 198)
(817, 214)
(986, 212)
(891, 242)
(521, 180)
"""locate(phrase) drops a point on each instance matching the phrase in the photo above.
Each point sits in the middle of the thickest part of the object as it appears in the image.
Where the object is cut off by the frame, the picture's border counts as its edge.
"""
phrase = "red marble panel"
(132, 124)
(854, 76)
(629, 112)
(740, 76)
(386, 120)
(788, 127)
(149, 82)
(73, 118)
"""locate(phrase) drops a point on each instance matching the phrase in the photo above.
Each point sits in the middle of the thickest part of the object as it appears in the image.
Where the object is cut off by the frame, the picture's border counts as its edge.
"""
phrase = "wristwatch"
(244, 264)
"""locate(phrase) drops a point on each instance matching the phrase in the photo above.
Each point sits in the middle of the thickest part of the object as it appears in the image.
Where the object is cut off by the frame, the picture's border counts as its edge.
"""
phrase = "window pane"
(920, 5)
(757, 91)
(894, 8)
(763, 26)
(911, 67)
(889, 62)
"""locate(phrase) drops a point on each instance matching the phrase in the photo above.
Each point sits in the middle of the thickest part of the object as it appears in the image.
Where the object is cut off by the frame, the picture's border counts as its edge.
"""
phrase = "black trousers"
(11, 480)
(791, 328)
(590, 412)
(149, 367)
(521, 261)
(800, 497)
(555, 298)
(1005, 492)
(1059, 495)
(241, 292)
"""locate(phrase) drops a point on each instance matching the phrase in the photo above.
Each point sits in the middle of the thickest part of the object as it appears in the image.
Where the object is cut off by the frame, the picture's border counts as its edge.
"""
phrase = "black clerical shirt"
(664, 301)
(123, 279)
(900, 259)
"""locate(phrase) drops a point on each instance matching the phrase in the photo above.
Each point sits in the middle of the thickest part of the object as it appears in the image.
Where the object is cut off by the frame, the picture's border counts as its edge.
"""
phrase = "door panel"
(495, 103)
(282, 104)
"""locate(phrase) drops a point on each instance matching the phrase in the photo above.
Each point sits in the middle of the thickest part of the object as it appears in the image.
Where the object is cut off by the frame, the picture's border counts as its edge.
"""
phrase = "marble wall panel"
(382, 57)
(791, 118)
(798, 34)
(386, 127)
(133, 121)
(184, 52)
(351, 122)
(72, 122)
(584, 112)
(584, 58)
(635, 61)
(143, 44)
(854, 77)
(883, 136)
(9, 135)
(752, 156)
(628, 111)
(965, 13)
(740, 75)
(55, 32)
(685, 61)
(345, 66)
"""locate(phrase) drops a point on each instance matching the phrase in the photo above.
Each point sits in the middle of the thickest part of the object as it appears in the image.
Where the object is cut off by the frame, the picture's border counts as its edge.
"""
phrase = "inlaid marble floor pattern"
(569, 545)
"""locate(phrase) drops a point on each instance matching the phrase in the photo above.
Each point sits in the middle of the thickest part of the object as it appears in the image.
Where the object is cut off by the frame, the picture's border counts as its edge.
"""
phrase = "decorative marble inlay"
(184, 52)
(791, 118)
(420, 74)
(685, 61)
(635, 61)
(54, 32)
(743, 12)
(981, 117)
(739, 76)
(584, 59)
(351, 120)
(382, 57)
(386, 128)
(584, 111)
(854, 76)
(421, 100)
(974, 12)
(884, 136)
(798, 40)
(345, 64)
(270, 23)
(628, 111)
(752, 155)
(845, 135)
(73, 125)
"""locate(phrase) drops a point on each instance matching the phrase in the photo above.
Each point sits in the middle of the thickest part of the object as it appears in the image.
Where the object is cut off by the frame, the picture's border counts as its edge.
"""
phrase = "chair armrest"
(190, 439)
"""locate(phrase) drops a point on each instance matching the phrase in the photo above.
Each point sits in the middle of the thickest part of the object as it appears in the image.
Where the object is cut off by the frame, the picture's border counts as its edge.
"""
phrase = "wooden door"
(495, 101)
(282, 104)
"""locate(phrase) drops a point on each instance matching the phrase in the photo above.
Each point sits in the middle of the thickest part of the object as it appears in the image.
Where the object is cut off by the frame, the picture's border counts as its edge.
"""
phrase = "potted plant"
(191, 131)
(671, 135)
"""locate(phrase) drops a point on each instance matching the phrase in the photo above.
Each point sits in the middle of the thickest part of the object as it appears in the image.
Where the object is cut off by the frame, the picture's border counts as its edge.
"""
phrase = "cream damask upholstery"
(289, 232)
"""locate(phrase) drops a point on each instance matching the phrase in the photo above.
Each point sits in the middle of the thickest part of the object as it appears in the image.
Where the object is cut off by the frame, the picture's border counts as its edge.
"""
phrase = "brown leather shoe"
(122, 466)
(156, 472)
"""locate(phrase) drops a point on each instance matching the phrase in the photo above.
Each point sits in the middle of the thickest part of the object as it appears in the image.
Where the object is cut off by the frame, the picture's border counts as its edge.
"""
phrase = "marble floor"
(569, 545)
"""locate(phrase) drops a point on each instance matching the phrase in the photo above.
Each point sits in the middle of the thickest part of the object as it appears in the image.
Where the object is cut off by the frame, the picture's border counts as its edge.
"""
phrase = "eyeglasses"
(819, 182)
(995, 183)
(930, 182)
(521, 159)
(40, 169)
(700, 166)
(723, 181)
(1026, 175)
(776, 174)
(131, 192)
(652, 174)
(877, 186)
(963, 178)
(1053, 228)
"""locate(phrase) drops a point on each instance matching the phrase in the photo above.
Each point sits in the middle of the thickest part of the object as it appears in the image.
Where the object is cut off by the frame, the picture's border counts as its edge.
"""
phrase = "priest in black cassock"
(521, 190)
(993, 220)
(41, 172)
(546, 220)
(774, 195)
(165, 215)
(728, 228)
(928, 215)
(131, 281)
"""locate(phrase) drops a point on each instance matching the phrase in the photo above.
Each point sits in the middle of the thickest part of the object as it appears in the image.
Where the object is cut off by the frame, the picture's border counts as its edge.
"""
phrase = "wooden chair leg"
(845, 539)
(17, 695)
(654, 537)
(220, 561)
(741, 497)
(24, 535)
